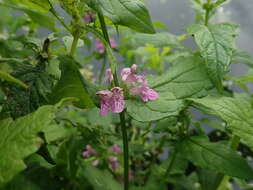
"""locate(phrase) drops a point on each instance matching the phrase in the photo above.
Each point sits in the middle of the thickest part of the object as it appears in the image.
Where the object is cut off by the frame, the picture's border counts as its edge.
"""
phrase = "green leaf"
(216, 43)
(10, 78)
(237, 112)
(130, 13)
(100, 179)
(215, 156)
(243, 58)
(40, 5)
(163, 107)
(19, 140)
(187, 77)
(71, 84)
(157, 40)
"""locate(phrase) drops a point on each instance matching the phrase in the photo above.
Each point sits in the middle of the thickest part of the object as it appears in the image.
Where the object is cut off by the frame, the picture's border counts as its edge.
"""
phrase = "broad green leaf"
(243, 58)
(8, 77)
(154, 110)
(130, 13)
(157, 40)
(71, 84)
(215, 156)
(237, 112)
(19, 139)
(216, 43)
(187, 77)
(37, 176)
(100, 179)
(40, 5)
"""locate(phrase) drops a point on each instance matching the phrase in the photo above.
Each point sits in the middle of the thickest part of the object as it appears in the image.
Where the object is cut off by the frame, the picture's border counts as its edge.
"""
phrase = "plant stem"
(53, 11)
(74, 43)
(125, 149)
(102, 71)
(207, 12)
(113, 65)
(173, 158)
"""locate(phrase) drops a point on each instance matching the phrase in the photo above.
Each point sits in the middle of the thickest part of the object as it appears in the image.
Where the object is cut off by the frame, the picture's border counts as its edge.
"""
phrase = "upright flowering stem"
(125, 149)
(113, 65)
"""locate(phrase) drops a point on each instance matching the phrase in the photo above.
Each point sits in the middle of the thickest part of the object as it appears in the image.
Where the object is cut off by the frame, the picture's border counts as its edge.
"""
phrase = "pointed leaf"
(186, 78)
(237, 112)
(215, 156)
(216, 43)
(71, 84)
(130, 13)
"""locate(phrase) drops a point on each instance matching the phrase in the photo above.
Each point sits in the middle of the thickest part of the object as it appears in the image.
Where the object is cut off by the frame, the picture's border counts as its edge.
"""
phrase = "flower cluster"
(113, 160)
(100, 46)
(113, 100)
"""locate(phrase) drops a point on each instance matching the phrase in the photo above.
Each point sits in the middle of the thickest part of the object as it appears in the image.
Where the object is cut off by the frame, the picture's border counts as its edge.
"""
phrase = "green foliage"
(237, 113)
(178, 80)
(216, 43)
(215, 156)
(19, 140)
(10, 78)
(132, 14)
(53, 135)
(71, 84)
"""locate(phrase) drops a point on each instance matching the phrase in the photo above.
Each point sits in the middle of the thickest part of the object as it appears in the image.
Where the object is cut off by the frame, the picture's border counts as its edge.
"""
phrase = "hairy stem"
(74, 43)
(53, 11)
(125, 149)
(102, 71)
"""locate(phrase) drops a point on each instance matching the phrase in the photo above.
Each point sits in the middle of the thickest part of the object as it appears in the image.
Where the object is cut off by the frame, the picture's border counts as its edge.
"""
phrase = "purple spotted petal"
(117, 100)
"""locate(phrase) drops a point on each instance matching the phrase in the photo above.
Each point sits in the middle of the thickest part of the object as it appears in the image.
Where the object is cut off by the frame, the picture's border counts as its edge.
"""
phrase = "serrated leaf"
(19, 140)
(215, 156)
(130, 13)
(186, 78)
(216, 43)
(157, 40)
(154, 110)
(8, 77)
(237, 112)
(71, 84)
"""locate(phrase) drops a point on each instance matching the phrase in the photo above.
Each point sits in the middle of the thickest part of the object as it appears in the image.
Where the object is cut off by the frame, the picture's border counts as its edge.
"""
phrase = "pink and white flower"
(115, 149)
(100, 46)
(114, 163)
(144, 92)
(111, 100)
(89, 151)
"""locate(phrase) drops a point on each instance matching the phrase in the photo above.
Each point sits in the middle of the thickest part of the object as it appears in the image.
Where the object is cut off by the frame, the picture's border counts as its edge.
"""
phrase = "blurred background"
(177, 14)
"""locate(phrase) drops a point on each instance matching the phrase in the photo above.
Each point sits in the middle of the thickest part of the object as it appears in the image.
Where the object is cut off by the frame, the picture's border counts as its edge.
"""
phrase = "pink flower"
(117, 100)
(89, 17)
(108, 76)
(112, 100)
(115, 149)
(114, 163)
(144, 92)
(105, 101)
(100, 46)
(129, 76)
(89, 151)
